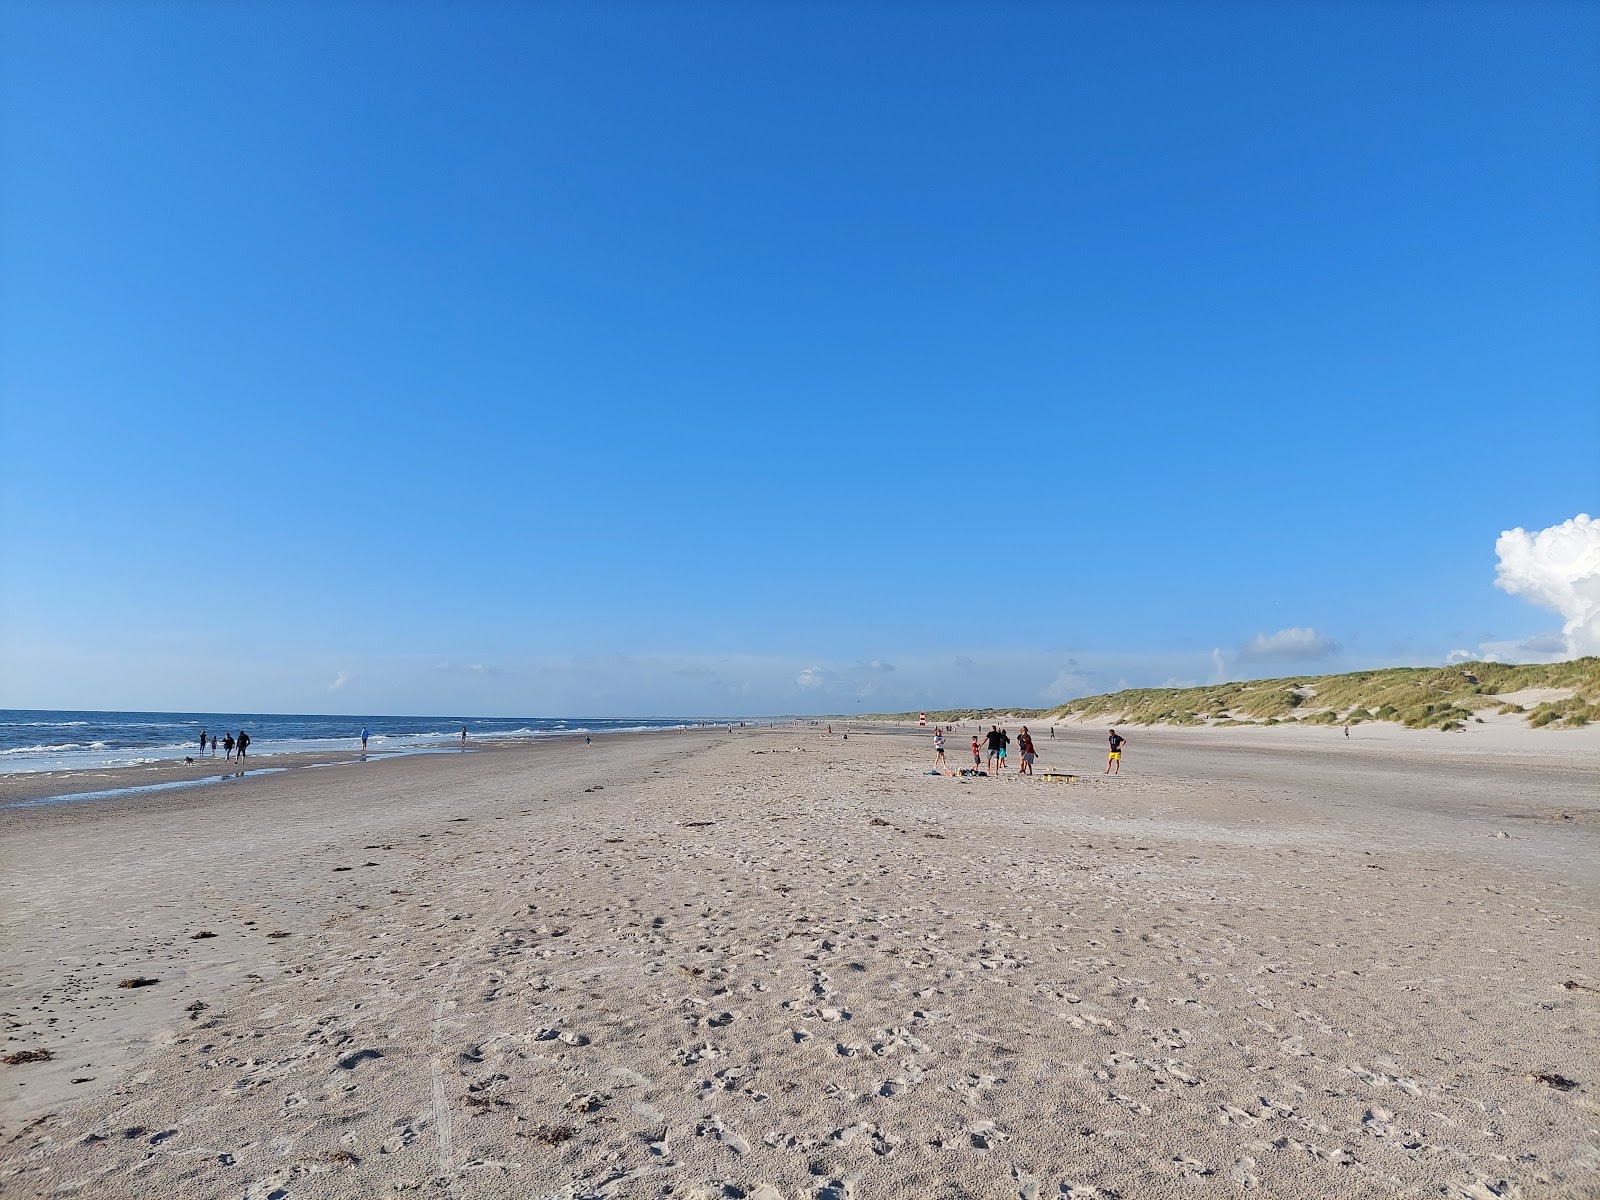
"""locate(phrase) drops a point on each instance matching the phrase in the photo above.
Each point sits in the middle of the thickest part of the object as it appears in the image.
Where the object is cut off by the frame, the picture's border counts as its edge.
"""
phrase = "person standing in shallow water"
(463, 737)
(227, 746)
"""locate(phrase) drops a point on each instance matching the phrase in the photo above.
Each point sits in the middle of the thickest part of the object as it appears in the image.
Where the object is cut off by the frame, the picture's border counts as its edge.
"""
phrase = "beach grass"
(1442, 698)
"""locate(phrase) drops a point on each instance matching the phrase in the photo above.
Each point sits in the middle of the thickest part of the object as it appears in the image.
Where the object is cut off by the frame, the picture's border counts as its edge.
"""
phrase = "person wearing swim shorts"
(1114, 758)
(1005, 742)
(1025, 744)
(993, 738)
(938, 747)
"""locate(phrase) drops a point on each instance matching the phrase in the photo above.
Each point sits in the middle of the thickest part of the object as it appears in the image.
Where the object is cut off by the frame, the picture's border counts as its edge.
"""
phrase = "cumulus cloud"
(1460, 656)
(1288, 645)
(810, 678)
(339, 680)
(1557, 568)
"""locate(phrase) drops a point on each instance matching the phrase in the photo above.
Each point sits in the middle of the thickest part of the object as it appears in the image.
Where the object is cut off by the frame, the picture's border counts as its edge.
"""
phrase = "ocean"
(43, 740)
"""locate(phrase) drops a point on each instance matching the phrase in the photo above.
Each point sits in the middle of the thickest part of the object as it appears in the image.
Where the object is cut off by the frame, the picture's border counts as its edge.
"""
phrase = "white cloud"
(1068, 684)
(1557, 568)
(810, 678)
(1460, 656)
(339, 680)
(1288, 645)
(1219, 668)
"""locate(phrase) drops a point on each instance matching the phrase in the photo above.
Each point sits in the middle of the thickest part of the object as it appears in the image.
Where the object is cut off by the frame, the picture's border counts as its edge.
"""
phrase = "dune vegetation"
(1443, 698)
(1416, 697)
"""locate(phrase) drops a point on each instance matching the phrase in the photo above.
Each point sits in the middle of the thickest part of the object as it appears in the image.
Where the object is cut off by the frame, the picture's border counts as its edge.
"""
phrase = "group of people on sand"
(999, 741)
(230, 744)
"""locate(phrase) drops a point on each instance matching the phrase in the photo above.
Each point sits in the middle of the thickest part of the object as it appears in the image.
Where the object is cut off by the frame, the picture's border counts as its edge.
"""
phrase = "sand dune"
(776, 964)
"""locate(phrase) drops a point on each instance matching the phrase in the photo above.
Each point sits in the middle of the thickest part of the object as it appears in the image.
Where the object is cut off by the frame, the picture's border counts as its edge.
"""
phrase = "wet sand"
(777, 964)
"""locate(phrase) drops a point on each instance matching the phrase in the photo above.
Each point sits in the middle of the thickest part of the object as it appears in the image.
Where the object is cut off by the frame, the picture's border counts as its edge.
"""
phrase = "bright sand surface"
(778, 964)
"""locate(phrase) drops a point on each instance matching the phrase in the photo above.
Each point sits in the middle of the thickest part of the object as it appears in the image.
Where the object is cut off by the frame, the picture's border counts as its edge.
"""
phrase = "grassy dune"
(1416, 697)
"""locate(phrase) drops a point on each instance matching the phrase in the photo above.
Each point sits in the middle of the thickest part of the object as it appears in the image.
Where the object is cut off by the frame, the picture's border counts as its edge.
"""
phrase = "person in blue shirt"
(363, 739)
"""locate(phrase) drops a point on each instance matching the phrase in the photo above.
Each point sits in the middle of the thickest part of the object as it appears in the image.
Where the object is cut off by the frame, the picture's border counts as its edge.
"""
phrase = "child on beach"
(227, 746)
(977, 754)
(938, 748)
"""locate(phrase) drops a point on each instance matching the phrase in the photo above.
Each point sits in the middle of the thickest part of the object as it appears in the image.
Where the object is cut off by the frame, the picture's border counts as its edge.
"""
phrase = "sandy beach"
(776, 964)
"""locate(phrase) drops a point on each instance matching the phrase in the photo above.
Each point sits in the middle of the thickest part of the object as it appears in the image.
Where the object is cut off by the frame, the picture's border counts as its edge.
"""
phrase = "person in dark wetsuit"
(239, 744)
(227, 746)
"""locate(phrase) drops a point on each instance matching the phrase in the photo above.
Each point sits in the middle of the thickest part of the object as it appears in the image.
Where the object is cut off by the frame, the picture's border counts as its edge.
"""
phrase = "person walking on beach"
(363, 739)
(1025, 746)
(977, 754)
(1005, 744)
(993, 738)
(1114, 758)
(213, 745)
(463, 737)
(240, 743)
(938, 748)
(586, 740)
(227, 746)
(202, 741)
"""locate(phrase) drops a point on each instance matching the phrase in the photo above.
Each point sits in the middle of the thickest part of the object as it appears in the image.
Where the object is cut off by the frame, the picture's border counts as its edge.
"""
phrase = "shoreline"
(94, 784)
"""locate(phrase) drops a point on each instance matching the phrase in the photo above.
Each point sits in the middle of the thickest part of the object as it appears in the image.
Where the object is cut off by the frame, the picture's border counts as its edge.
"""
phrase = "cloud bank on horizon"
(1559, 569)
(1556, 568)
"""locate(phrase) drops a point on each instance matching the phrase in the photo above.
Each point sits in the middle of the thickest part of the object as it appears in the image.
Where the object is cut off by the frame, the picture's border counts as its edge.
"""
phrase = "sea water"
(45, 740)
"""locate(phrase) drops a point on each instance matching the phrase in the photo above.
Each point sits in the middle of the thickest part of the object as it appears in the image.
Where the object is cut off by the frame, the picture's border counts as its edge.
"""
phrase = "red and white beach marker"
(922, 719)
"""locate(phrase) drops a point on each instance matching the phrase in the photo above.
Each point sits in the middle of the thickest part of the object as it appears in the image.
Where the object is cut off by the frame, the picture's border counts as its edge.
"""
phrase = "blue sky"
(642, 359)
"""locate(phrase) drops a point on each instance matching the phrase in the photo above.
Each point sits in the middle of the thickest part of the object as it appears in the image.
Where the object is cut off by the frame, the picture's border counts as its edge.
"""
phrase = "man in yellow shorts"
(1114, 759)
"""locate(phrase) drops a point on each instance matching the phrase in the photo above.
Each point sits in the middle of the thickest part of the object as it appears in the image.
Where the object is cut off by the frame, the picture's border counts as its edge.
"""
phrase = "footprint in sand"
(1377, 1122)
(986, 1135)
(715, 1127)
(1243, 1173)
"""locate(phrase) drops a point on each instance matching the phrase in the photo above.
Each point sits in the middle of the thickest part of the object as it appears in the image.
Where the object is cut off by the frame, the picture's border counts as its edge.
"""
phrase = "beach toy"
(1057, 777)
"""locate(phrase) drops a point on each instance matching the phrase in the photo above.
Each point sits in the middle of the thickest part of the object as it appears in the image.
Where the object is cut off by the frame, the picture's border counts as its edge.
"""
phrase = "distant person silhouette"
(363, 739)
(241, 743)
